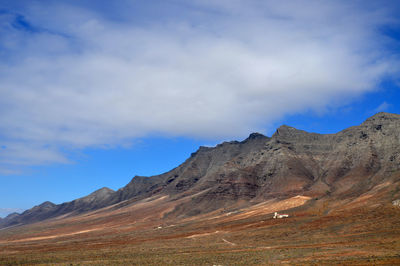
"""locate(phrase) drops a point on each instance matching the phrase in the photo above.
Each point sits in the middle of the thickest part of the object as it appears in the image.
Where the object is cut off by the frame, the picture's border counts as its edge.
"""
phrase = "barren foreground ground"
(350, 232)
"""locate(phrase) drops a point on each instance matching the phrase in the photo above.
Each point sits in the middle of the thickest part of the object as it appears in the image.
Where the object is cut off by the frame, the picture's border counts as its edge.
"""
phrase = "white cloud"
(383, 107)
(220, 70)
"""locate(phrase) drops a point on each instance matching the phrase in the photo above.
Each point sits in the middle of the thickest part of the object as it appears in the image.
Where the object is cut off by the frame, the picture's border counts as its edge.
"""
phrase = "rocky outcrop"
(291, 162)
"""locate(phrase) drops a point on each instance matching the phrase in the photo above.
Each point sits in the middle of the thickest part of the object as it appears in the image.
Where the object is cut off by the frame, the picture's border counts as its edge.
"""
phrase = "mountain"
(98, 199)
(244, 173)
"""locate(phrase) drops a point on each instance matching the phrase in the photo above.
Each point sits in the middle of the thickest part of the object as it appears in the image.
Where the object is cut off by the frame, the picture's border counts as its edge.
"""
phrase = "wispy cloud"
(94, 76)
(383, 107)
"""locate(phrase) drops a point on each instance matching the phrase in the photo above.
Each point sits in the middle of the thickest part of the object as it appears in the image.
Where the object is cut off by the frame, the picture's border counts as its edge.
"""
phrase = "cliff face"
(291, 162)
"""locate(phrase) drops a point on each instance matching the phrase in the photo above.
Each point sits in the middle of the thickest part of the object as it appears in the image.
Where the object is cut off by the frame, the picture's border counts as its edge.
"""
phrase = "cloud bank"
(85, 74)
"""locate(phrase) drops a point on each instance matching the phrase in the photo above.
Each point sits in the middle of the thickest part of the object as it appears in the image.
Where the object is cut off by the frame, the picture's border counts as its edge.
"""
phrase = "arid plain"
(358, 232)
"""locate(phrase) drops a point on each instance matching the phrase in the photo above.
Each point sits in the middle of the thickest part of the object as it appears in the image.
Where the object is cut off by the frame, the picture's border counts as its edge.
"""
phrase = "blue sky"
(95, 92)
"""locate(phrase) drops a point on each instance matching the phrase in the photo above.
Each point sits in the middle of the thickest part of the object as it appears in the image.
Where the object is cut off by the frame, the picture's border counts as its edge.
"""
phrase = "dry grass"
(353, 236)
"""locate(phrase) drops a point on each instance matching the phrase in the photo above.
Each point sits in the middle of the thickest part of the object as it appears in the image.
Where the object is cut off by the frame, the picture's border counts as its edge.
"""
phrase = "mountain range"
(240, 174)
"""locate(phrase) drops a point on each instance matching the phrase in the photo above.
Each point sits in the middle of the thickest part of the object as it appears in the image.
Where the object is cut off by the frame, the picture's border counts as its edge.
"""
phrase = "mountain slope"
(232, 174)
(98, 199)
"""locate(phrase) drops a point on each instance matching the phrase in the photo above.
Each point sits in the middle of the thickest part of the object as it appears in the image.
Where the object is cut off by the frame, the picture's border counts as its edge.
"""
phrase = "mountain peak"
(102, 192)
(46, 204)
(256, 135)
(287, 132)
(12, 215)
(382, 117)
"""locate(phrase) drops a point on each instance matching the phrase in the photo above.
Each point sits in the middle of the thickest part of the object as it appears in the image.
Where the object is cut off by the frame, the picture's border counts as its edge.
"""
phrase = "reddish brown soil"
(361, 231)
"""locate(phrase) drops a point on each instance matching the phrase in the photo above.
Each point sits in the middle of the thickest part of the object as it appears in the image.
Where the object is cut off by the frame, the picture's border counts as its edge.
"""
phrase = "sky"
(93, 93)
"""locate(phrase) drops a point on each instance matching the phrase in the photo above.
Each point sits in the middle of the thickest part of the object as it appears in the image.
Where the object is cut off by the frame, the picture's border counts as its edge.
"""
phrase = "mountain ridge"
(290, 162)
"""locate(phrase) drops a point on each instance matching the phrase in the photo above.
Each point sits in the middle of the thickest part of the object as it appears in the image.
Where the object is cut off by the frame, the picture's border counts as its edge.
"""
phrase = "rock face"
(291, 162)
